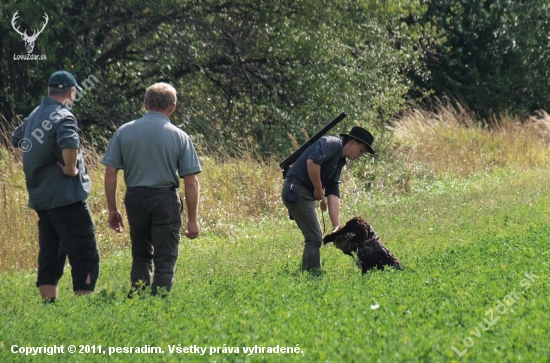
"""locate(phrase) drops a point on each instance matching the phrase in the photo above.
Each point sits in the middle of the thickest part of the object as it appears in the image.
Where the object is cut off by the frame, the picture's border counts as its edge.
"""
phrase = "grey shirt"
(42, 136)
(326, 152)
(152, 152)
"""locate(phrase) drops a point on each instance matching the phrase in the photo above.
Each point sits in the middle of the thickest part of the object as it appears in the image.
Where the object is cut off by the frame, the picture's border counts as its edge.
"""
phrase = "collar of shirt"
(156, 115)
(50, 101)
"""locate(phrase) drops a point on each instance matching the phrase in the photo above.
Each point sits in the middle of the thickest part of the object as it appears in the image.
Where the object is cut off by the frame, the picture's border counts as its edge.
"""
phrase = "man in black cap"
(313, 176)
(58, 186)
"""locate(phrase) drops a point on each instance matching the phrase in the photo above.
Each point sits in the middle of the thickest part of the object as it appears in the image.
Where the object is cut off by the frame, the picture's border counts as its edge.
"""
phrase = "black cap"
(61, 80)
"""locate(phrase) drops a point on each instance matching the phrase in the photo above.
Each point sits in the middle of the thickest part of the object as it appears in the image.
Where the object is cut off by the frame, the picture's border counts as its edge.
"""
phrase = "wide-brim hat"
(362, 135)
(61, 80)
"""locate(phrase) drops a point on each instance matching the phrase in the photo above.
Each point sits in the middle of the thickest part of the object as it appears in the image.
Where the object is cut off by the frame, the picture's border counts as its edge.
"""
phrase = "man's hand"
(70, 158)
(192, 194)
(69, 170)
(335, 229)
(115, 221)
(193, 229)
(318, 194)
(314, 173)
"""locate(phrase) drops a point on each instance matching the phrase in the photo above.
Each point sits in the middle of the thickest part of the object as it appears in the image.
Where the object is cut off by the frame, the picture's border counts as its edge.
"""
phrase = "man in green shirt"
(154, 154)
(58, 187)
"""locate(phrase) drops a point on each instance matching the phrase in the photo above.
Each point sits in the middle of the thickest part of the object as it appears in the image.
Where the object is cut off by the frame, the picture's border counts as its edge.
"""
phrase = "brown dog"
(358, 237)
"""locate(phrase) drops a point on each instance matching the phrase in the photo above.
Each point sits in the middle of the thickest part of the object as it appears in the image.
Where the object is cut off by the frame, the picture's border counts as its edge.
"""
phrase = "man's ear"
(172, 109)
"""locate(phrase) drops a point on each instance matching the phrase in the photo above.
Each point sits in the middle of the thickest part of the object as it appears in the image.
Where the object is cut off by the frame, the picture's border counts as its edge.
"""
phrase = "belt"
(149, 190)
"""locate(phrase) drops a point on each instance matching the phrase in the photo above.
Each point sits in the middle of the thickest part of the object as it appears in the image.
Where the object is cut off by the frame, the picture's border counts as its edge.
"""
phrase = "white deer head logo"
(29, 40)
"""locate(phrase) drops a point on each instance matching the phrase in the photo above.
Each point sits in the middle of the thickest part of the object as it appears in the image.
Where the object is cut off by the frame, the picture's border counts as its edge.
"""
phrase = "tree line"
(259, 73)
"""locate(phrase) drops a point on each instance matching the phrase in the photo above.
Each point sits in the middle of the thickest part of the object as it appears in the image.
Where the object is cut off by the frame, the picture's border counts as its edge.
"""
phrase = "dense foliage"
(247, 71)
(256, 71)
(496, 55)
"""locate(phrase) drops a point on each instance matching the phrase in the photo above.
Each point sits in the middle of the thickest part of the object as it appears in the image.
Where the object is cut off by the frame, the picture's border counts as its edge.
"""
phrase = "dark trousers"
(305, 215)
(154, 219)
(67, 231)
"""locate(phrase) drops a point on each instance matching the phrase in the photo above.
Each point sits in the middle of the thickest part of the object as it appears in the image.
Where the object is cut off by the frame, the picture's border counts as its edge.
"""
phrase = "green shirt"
(152, 152)
(42, 136)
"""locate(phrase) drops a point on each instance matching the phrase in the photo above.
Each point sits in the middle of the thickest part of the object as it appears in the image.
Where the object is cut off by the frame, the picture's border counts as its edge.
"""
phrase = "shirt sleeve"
(113, 155)
(67, 134)
(323, 150)
(334, 187)
(334, 151)
(188, 161)
(19, 132)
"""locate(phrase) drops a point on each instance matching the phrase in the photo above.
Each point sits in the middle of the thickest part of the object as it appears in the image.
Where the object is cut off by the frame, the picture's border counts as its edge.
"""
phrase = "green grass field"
(475, 288)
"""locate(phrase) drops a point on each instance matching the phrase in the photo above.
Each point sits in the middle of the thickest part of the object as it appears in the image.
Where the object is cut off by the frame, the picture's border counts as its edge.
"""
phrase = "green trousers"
(304, 213)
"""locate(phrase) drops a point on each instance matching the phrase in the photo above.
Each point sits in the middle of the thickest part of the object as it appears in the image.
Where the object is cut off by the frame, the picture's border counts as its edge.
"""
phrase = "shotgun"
(285, 164)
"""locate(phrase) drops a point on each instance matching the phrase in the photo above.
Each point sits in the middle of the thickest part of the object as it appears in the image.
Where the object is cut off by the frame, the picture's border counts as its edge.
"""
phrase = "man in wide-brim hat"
(315, 175)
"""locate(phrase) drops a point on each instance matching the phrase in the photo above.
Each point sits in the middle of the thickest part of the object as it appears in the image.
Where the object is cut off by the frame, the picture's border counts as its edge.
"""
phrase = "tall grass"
(450, 141)
(447, 142)
(233, 191)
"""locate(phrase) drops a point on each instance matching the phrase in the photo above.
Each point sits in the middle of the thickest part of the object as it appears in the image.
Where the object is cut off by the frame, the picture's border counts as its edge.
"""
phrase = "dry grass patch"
(233, 191)
(451, 141)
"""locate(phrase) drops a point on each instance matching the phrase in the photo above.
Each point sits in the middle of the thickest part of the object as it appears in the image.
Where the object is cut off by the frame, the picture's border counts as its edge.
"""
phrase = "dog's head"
(345, 243)
(348, 238)
(353, 233)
